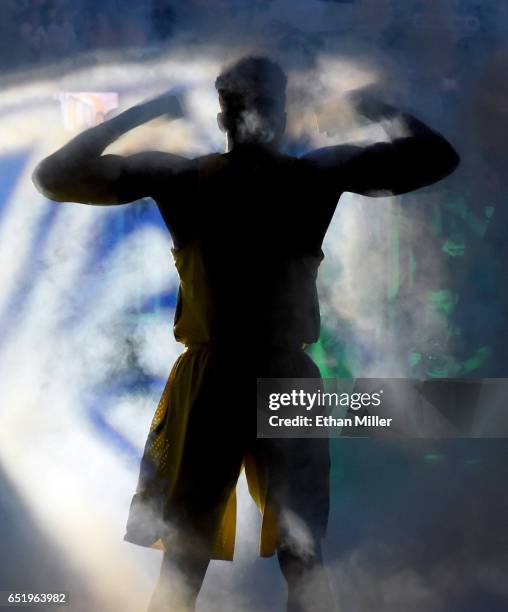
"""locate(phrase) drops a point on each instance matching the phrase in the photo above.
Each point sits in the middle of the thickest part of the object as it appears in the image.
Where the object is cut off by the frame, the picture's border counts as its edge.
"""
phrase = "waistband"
(218, 345)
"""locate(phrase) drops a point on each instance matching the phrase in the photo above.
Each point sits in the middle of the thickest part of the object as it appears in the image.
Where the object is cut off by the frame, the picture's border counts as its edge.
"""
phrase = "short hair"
(258, 75)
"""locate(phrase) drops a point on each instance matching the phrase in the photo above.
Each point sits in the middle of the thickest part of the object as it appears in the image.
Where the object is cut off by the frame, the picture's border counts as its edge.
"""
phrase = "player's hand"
(357, 107)
(368, 103)
(168, 104)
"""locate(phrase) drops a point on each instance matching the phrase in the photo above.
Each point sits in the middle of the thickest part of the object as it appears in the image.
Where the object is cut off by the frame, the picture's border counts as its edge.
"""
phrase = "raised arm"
(79, 172)
(418, 157)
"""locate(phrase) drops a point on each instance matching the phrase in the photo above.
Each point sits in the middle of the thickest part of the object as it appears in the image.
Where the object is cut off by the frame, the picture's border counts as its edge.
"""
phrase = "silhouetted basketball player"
(247, 228)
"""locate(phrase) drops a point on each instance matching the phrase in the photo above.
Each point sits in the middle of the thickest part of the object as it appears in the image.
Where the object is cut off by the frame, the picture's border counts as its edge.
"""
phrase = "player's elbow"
(448, 160)
(48, 182)
(441, 160)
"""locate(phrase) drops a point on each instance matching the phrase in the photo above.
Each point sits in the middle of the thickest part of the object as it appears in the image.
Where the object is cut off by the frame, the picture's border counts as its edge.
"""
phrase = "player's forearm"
(414, 140)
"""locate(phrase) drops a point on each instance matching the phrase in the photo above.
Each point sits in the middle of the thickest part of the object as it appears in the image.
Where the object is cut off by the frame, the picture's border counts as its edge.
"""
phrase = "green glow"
(478, 359)
(434, 457)
(334, 358)
(476, 224)
(454, 248)
(414, 358)
(443, 366)
(318, 354)
(443, 300)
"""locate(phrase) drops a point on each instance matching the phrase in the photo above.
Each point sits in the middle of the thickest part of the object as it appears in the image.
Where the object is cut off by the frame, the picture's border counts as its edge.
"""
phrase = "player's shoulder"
(209, 159)
(209, 164)
(286, 158)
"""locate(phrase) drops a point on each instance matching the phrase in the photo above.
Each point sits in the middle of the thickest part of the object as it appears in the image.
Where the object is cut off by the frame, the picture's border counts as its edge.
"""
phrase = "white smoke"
(254, 127)
(297, 536)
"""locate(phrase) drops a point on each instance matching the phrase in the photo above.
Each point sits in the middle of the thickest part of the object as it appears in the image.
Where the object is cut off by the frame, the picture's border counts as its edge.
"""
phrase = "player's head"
(252, 96)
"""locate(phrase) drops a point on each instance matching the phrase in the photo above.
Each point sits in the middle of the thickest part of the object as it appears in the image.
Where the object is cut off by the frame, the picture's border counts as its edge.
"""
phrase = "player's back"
(257, 219)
